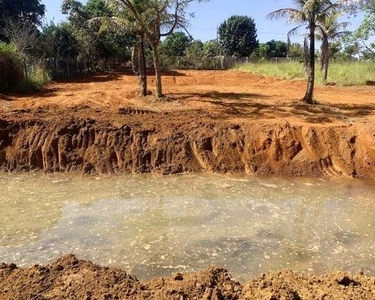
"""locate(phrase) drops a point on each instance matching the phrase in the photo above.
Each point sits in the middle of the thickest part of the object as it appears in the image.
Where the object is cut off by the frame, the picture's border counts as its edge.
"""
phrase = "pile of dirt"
(70, 278)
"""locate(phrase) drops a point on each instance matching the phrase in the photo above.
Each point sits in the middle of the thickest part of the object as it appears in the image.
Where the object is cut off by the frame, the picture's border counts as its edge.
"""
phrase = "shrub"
(38, 77)
(11, 72)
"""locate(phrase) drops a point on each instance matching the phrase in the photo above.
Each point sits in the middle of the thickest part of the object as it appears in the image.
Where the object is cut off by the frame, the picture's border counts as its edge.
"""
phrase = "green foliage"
(211, 48)
(38, 77)
(341, 73)
(296, 52)
(238, 36)
(277, 48)
(65, 44)
(367, 28)
(175, 44)
(195, 49)
(96, 40)
(11, 74)
(30, 11)
(271, 49)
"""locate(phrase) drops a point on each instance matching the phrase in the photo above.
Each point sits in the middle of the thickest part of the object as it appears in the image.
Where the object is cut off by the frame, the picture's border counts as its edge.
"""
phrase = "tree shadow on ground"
(255, 106)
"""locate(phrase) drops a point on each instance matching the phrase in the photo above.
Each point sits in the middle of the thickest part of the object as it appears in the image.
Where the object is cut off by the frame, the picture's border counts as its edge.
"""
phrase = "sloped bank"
(70, 278)
(163, 145)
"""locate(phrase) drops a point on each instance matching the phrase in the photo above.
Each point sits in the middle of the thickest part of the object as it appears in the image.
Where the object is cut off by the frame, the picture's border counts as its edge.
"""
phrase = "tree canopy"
(31, 12)
(238, 36)
(176, 44)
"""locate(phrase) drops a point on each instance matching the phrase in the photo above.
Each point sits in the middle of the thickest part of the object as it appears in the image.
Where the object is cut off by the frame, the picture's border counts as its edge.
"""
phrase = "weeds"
(341, 73)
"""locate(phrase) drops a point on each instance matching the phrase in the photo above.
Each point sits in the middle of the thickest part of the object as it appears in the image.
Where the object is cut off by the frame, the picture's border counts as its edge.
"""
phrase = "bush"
(11, 75)
(38, 77)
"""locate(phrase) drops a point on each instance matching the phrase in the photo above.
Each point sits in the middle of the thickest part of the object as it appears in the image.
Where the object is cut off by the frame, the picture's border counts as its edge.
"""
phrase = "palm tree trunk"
(308, 98)
(155, 52)
(325, 71)
(142, 67)
(325, 58)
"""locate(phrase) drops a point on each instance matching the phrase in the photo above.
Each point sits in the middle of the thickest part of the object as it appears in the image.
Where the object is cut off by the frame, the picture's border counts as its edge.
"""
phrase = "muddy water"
(154, 226)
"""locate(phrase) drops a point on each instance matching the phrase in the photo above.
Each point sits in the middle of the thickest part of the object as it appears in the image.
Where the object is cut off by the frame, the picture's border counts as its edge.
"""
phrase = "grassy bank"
(342, 73)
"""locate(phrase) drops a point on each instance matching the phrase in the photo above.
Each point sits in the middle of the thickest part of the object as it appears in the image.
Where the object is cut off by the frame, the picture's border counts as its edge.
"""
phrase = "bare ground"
(220, 121)
(70, 278)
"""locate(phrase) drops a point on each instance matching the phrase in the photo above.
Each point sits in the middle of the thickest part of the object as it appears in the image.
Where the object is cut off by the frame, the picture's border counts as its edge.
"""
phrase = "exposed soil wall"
(90, 146)
(210, 121)
(70, 278)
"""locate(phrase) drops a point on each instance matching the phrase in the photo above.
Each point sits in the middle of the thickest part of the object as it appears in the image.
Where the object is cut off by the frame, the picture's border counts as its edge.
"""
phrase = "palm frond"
(291, 14)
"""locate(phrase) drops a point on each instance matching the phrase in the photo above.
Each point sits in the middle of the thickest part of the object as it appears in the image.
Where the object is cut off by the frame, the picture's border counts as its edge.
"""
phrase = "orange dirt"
(70, 278)
(222, 121)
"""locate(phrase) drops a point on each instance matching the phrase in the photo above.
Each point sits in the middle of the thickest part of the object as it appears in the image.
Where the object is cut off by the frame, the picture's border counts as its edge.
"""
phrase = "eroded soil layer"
(160, 144)
(209, 122)
(70, 278)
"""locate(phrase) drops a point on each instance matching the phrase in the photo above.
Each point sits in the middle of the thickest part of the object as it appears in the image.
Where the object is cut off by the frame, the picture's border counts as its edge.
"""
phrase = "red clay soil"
(210, 121)
(70, 278)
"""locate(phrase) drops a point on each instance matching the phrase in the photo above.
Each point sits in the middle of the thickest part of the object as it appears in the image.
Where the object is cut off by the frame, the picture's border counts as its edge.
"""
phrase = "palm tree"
(307, 12)
(328, 29)
(156, 19)
(123, 20)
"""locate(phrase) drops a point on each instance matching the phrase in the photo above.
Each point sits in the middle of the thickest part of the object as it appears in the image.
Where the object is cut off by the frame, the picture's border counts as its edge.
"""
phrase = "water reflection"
(153, 226)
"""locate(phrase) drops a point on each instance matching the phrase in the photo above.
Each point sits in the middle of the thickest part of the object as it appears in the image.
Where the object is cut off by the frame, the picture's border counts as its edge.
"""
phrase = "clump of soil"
(70, 278)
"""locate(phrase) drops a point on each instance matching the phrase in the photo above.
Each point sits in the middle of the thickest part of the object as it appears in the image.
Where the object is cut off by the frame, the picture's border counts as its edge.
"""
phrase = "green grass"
(38, 77)
(341, 73)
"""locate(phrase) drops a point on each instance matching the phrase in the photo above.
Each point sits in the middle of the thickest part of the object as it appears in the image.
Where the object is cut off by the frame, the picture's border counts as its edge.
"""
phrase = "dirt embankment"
(158, 143)
(70, 278)
(210, 122)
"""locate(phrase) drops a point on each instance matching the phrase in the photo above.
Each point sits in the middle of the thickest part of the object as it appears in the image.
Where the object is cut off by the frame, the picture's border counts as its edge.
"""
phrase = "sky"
(209, 15)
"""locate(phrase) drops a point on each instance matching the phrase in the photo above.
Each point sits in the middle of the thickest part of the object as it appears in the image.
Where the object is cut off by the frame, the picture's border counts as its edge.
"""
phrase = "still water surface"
(154, 226)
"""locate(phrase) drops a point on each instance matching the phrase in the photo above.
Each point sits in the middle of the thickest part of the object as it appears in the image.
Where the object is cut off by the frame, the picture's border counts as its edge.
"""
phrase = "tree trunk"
(26, 73)
(135, 59)
(325, 60)
(155, 52)
(142, 67)
(325, 72)
(67, 68)
(308, 98)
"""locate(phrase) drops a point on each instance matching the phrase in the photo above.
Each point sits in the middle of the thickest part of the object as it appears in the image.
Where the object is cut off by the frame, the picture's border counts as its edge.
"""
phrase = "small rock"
(178, 277)
(59, 268)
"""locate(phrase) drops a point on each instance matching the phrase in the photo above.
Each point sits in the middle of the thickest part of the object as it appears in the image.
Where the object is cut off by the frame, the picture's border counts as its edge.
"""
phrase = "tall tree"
(308, 12)
(157, 18)
(367, 29)
(97, 43)
(328, 30)
(29, 12)
(238, 36)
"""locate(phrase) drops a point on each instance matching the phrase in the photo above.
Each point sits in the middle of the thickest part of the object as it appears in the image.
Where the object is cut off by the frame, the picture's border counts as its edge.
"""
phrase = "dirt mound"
(70, 278)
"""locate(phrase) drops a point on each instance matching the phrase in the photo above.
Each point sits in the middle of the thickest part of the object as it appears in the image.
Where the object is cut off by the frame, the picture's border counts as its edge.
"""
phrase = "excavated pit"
(264, 148)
